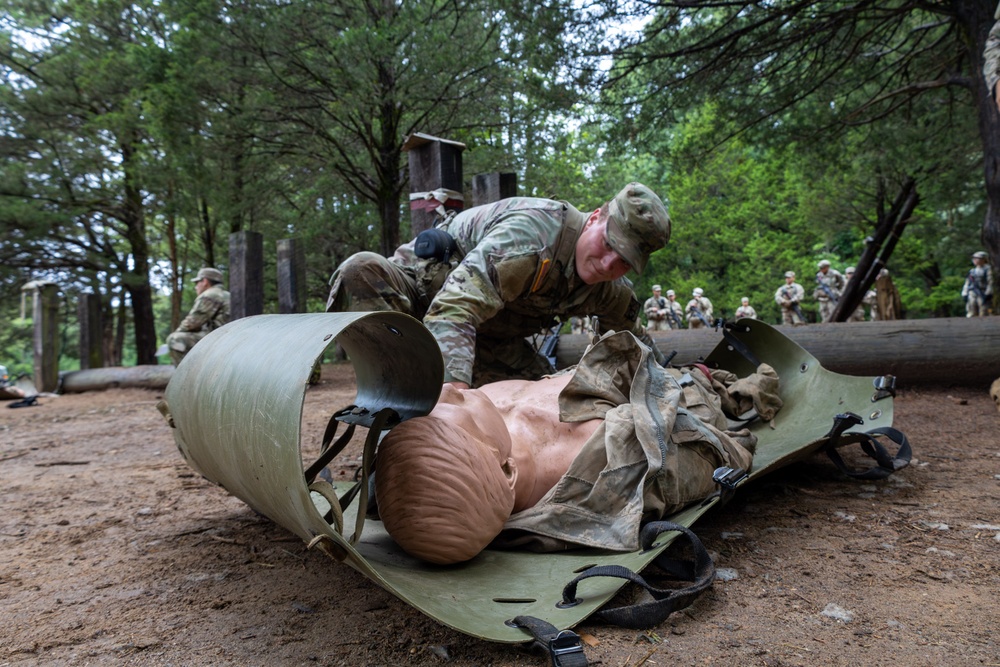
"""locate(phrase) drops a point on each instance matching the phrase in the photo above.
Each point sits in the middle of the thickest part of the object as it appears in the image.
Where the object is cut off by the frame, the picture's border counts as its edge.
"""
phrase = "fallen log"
(946, 351)
(94, 379)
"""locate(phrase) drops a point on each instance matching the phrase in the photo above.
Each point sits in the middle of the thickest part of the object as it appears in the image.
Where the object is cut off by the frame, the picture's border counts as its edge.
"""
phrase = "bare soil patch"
(114, 552)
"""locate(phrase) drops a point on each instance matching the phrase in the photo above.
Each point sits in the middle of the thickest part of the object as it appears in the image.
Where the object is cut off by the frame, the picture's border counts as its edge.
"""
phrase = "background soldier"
(210, 311)
(675, 311)
(991, 59)
(978, 288)
(829, 285)
(699, 310)
(859, 313)
(745, 309)
(488, 278)
(789, 296)
(656, 311)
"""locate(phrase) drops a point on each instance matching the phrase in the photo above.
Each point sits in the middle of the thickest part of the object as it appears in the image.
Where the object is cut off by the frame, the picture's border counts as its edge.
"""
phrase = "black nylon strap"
(562, 646)
(700, 572)
(328, 452)
(886, 463)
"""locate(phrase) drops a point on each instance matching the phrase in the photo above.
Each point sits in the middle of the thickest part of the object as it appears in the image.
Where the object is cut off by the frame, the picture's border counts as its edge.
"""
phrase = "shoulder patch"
(514, 276)
(632, 312)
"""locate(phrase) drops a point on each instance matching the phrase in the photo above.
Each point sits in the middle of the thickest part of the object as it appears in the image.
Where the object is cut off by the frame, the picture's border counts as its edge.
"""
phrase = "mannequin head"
(445, 482)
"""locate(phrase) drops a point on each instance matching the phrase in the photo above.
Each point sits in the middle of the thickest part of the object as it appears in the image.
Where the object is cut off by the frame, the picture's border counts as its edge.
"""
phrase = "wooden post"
(45, 317)
(435, 164)
(291, 277)
(246, 274)
(91, 331)
(492, 187)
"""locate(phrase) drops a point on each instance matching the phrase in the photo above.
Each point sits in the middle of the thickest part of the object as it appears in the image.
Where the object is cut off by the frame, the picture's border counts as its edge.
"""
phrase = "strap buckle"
(885, 385)
(566, 650)
(729, 478)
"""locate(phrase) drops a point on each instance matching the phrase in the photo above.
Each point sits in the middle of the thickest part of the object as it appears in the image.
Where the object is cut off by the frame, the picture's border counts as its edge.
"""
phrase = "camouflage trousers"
(658, 325)
(368, 282)
(789, 316)
(826, 310)
(976, 306)
(181, 342)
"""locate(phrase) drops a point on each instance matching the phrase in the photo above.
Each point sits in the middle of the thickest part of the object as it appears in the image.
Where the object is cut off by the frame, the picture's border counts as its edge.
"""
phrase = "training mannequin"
(577, 459)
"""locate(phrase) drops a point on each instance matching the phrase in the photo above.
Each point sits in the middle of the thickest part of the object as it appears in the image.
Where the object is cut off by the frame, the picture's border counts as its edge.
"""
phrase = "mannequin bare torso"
(541, 446)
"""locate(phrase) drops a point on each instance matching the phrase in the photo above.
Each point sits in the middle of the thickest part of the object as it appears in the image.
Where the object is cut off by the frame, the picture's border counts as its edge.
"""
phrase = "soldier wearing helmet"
(829, 286)
(699, 310)
(978, 288)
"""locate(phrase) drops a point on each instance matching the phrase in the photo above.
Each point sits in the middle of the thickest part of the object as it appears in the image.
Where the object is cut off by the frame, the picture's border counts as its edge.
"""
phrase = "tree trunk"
(977, 20)
(136, 277)
(945, 351)
(143, 377)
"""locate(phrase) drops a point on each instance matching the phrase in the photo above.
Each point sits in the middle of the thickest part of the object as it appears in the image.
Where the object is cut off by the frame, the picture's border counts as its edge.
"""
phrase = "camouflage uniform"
(746, 311)
(859, 313)
(788, 296)
(978, 290)
(655, 320)
(833, 282)
(675, 312)
(698, 303)
(991, 57)
(210, 311)
(513, 275)
(664, 431)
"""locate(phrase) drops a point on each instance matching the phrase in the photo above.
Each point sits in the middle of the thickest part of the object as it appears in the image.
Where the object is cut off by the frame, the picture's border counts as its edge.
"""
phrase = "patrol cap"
(638, 224)
(849, 269)
(823, 263)
(698, 291)
(745, 300)
(208, 272)
(789, 274)
(670, 292)
(657, 288)
(979, 255)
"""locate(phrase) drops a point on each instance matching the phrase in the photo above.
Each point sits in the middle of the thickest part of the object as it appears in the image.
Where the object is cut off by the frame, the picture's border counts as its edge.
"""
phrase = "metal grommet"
(393, 330)
(511, 624)
(328, 337)
(875, 415)
(803, 368)
(562, 604)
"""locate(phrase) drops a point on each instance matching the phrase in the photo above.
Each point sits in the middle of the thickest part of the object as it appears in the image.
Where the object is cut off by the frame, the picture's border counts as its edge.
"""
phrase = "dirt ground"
(114, 552)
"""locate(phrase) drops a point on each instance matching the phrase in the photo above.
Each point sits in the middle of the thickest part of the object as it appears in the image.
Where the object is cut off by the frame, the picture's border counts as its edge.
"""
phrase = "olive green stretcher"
(236, 402)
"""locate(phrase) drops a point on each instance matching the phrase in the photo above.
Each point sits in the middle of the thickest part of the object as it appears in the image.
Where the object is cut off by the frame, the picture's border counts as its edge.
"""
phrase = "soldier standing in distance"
(978, 288)
(745, 309)
(210, 311)
(675, 311)
(699, 310)
(656, 311)
(789, 296)
(829, 285)
(859, 313)
(487, 278)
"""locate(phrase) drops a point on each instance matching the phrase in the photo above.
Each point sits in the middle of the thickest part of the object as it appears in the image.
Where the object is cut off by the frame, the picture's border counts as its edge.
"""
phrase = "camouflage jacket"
(663, 434)
(991, 56)
(652, 307)
(513, 277)
(980, 279)
(210, 311)
(793, 293)
(701, 304)
(746, 311)
(833, 280)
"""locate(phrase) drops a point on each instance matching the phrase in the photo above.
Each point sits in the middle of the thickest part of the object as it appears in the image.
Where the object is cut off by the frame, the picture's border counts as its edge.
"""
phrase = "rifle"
(826, 289)
(673, 315)
(795, 304)
(548, 347)
(701, 317)
(975, 287)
